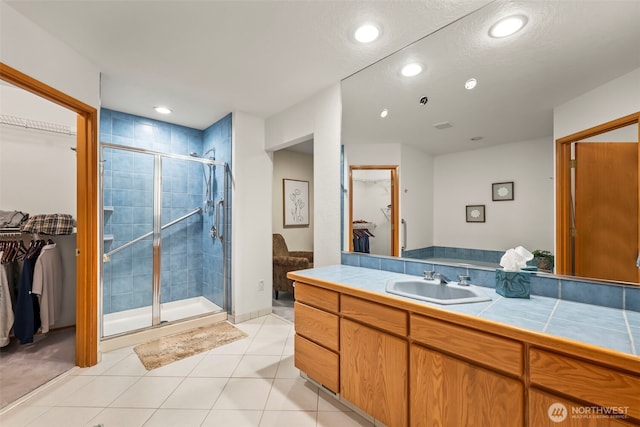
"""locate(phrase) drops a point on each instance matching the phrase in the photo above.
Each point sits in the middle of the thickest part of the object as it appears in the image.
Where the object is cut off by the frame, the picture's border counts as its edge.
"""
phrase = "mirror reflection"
(374, 209)
(572, 66)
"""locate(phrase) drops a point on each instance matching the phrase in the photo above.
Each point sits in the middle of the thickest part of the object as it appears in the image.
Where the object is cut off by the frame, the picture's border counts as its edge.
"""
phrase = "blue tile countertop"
(606, 327)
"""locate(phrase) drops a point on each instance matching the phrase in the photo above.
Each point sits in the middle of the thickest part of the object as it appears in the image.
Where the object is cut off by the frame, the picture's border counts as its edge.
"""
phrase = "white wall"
(416, 186)
(465, 179)
(416, 198)
(251, 213)
(37, 168)
(318, 117)
(299, 166)
(615, 99)
(31, 50)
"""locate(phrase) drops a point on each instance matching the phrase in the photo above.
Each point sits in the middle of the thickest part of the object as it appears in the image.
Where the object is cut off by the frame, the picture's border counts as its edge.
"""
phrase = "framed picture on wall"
(475, 213)
(295, 203)
(502, 191)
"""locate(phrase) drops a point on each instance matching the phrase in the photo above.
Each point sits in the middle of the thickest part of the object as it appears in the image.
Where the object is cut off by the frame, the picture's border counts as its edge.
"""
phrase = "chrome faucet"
(428, 274)
(440, 279)
(464, 280)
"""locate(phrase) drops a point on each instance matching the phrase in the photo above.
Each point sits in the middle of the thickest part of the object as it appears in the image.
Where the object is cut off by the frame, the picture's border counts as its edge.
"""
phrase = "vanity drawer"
(497, 353)
(377, 315)
(317, 297)
(319, 363)
(317, 325)
(585, 381)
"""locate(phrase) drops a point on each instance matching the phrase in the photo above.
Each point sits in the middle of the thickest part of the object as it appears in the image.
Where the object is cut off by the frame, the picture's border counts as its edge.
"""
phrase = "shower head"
(209, 151)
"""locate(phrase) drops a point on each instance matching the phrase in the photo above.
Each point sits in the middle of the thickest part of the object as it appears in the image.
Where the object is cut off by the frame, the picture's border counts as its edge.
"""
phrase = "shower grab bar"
(404, 234)
(218, 233)
(107, 256)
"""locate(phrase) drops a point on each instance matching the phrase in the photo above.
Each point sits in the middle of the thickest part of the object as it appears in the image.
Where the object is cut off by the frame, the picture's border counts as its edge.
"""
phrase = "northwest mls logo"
(557, 412)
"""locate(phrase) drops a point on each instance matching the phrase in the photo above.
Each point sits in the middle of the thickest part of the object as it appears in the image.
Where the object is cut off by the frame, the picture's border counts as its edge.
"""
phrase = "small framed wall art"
(295, 203)
(475, 213)
(502, 191)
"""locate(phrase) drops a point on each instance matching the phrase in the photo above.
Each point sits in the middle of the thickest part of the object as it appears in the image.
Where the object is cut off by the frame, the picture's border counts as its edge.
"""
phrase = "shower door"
(164, 258)
(216, 238)
(128, 196)
(185, 285)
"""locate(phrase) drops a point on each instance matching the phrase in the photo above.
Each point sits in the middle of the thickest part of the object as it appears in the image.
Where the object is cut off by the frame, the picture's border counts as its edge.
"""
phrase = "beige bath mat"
(163, 351)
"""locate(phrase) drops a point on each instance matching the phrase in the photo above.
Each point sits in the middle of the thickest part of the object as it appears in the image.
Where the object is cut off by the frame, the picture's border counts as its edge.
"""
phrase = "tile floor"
(251, 382)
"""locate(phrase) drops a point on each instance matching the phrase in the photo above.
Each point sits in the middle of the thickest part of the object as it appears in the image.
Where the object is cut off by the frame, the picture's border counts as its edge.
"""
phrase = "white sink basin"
(430, 291)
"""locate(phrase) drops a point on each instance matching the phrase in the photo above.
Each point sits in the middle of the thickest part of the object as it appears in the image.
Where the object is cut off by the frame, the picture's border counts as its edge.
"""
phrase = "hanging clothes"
(361, 241)
(27, 315)
(6, 307)
(361, 236)
(47, 285)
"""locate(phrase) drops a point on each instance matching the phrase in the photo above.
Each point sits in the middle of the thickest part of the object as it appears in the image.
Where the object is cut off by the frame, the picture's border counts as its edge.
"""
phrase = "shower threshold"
(140, 318)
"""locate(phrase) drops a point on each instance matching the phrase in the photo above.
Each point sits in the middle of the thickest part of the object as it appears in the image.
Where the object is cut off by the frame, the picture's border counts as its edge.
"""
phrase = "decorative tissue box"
(513, 284)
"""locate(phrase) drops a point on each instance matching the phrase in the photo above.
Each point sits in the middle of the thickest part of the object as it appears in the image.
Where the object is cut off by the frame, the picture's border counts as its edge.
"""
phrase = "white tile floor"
(250, 382)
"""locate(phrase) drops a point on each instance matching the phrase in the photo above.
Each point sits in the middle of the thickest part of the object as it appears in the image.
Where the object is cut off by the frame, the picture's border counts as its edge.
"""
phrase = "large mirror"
(476, 166)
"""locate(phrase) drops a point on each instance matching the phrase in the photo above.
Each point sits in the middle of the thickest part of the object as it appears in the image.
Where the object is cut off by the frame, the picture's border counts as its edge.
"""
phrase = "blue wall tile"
(122, 161)
(632, 298)
(591, 293)
(389, 264)
(122, 285)
(370, 262)
(179, 140)
(463, 254)
(350, 259)
(121, 180)
(486, 278)
(187, 249)
(143, 132)
(121, 127)
(416, 268)
(545, 285)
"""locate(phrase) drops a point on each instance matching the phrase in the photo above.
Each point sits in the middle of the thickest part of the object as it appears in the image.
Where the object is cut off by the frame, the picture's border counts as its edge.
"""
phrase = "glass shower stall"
(166, 237)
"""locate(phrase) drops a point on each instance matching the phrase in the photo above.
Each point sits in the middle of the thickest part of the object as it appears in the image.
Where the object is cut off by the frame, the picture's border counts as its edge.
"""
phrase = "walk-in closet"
(37, 242)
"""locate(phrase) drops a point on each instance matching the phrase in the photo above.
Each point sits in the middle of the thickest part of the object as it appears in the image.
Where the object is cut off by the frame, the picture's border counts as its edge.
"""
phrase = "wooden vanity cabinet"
(446, 391)
(317, 330)
(594, 387)
(373, 362)
(450, 387)
(548, 410)
(411, 366)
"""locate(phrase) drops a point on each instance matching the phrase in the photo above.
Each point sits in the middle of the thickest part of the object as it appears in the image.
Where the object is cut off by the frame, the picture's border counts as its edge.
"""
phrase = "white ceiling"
(567, 48)
(205, 59)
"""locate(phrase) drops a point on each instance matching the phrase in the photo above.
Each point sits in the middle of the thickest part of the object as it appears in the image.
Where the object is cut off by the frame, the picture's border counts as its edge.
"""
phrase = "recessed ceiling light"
(162, 110)
(507, 26)
(367, 33)
(384, 113)
(411, 70)
(470, 84)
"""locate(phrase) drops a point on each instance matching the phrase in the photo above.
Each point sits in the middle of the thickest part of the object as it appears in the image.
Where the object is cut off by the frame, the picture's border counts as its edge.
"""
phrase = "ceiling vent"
(443, 125)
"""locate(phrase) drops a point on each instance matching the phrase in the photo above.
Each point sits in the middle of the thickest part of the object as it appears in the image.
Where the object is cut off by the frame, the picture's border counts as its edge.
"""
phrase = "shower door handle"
(218, 232)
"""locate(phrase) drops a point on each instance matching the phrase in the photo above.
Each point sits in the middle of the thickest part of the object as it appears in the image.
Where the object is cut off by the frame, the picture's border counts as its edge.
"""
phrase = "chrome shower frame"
(215, 232)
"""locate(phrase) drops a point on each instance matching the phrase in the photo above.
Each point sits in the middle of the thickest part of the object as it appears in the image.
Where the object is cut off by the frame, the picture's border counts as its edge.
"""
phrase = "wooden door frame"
(563, 185)
(395, 222)
(87, 210)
